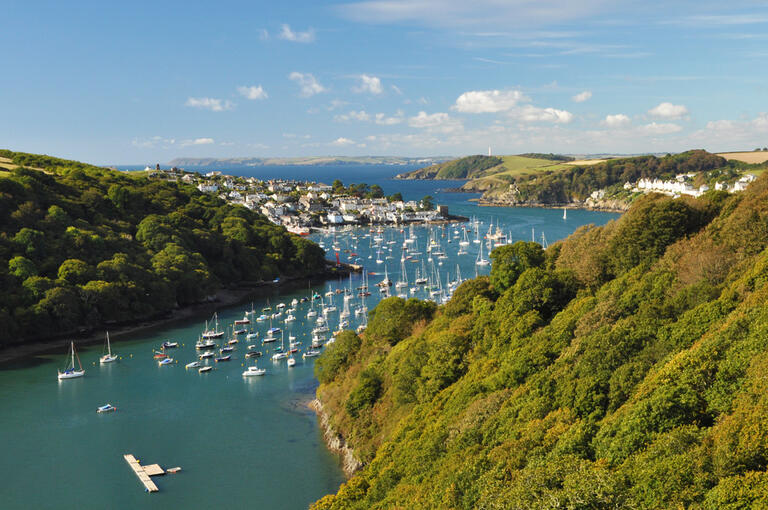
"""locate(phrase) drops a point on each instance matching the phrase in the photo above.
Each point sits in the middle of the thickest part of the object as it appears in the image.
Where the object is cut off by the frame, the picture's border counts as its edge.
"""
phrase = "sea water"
(241, 442)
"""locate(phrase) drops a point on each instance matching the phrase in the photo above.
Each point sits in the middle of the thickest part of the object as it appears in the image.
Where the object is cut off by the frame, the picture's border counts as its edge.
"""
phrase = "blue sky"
(142, 82)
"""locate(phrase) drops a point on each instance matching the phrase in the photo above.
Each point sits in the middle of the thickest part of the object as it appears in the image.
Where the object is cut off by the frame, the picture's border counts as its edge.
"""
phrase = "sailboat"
(70, 372)
(422, 279)
(480, 260)
(213, 333)
(403, 281)
(465, 240)
(281, 354)
(108, 357)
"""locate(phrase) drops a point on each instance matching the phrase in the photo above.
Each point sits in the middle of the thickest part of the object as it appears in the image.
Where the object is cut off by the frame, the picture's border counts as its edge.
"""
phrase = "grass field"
(753, 157)
(498, 177)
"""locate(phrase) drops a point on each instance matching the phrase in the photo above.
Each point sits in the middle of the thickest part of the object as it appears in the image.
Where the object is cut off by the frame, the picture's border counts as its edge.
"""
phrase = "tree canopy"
(83, 246)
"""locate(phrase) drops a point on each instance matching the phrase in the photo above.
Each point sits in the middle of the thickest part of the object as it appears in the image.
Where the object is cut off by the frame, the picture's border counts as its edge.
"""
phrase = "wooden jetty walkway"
(144, 473)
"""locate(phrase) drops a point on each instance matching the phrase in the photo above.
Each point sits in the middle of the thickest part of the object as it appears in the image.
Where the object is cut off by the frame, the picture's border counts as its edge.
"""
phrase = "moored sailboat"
(108, 357)
(71, 372)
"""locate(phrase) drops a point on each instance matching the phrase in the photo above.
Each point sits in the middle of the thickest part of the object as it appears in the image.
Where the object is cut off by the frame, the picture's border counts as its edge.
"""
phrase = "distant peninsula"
(306, 161)
(609, 182)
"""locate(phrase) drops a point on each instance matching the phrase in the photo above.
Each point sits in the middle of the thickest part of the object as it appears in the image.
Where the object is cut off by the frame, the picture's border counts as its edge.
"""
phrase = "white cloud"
(383, 120)
(309, 86)
(534, 114)
(582, 96)
(617, 120)
(659, 129)
(396, 90)
(301, 37)
(368, 83)
(441, 122)
(342, 142)
(197, 141)
(252, 92)
(668, 111)
(209, 103)
(761, 121)
(361, 116)
(263, 34)
(488, 101)
(155, 141)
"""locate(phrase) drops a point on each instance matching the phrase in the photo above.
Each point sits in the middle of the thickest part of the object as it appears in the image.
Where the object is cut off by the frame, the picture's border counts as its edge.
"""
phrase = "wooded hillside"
(83, 246)
(624, 367)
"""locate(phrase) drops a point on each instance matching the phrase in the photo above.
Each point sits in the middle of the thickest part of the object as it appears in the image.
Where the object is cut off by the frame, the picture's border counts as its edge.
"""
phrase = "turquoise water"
(240, 441)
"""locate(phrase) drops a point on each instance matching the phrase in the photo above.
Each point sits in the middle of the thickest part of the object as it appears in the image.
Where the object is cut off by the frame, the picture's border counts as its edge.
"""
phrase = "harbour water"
(241, 442)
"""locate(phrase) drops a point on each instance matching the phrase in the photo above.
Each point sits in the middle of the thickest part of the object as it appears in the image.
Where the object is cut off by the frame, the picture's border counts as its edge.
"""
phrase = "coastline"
(610, 206)
(225, 297)
(335, 441)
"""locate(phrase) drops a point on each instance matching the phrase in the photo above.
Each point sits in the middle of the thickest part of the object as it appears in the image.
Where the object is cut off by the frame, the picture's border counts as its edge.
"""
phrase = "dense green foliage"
(621, 368)
(576, 182)
(550, 156)
(361, 190)
(83, 246)
(462, 168)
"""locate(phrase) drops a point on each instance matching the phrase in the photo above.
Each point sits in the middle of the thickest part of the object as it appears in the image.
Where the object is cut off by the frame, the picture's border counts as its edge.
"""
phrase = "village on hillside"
(300, 206)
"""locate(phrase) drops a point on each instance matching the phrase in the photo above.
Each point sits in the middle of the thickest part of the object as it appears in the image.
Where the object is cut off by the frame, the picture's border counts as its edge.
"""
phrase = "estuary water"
(240, 441)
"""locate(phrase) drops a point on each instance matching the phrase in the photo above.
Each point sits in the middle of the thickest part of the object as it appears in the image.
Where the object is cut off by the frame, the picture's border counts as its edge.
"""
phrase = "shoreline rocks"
(335, 441)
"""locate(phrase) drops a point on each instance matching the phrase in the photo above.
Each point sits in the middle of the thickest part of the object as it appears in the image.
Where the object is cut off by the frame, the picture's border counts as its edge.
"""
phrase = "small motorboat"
(203, 370)
(279, 355)
(227, 348)
(254, 370)
(233, 341)
(253, 354)
(251, 336)
(165, 361)
(160, 355)
(240, 331)
(291, 362)
(170, 345)
(311, 354)
(106, 408)
(223, 358)
(206, 355)
(244, 320)
(194, 364)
